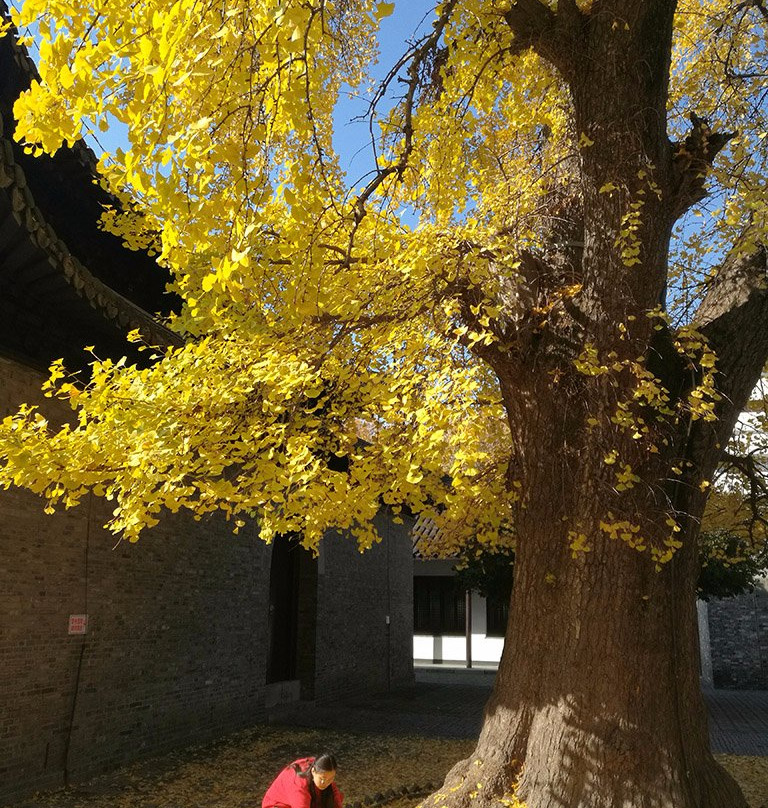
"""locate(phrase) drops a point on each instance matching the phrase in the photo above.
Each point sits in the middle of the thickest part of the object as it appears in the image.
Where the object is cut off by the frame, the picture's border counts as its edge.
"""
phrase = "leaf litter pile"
(235, 772)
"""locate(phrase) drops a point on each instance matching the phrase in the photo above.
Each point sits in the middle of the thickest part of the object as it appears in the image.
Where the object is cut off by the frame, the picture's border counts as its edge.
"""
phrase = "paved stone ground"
(432, 710)
(449, 704)
(738, 721)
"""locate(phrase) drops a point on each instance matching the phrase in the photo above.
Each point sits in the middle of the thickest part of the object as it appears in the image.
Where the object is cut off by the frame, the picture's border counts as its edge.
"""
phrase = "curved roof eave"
(43, 244)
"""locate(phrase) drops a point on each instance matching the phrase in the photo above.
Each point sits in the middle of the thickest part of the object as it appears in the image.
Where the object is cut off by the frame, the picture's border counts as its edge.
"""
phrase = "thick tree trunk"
(597, 701)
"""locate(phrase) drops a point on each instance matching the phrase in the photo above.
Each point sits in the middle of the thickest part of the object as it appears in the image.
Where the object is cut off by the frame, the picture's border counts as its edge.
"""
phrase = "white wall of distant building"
(452, 649)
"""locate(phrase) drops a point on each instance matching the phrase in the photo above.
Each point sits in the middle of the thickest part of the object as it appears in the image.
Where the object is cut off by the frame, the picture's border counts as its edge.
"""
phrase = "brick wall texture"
(738, 629)
(365, 614)
(175, 650)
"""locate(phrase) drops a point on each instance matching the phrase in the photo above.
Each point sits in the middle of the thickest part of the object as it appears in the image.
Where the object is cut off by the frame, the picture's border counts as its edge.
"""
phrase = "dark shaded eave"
(64, 282)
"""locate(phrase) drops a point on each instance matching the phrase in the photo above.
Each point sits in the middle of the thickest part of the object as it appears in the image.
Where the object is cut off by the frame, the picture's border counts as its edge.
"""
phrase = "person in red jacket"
(305, 783)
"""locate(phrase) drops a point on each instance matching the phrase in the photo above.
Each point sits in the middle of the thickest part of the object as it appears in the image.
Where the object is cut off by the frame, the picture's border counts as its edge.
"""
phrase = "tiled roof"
(58, 270)
(426, 539)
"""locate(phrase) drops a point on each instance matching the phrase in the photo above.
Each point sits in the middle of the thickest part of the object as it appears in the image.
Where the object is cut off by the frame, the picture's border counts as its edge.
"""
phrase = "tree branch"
(536, 26)
(740, 281)
(734, 318)
(415, 58)
(692, 160)
(529, 21)
(754, 473)
(750, 468)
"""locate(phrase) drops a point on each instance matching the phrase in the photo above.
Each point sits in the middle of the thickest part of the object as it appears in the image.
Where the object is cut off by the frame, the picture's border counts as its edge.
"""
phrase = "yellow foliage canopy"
(316, 312)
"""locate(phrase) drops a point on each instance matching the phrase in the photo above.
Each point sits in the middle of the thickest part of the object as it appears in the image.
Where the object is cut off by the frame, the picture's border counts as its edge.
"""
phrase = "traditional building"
(111, 651)
(458, 628)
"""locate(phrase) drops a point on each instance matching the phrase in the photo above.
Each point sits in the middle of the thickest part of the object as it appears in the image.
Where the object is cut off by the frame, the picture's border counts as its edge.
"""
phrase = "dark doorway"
(283, 609)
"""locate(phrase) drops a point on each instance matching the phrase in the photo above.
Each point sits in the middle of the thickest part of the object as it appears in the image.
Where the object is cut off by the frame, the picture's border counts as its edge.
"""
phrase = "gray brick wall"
(738, 630)
(174, 649)
(357, 650)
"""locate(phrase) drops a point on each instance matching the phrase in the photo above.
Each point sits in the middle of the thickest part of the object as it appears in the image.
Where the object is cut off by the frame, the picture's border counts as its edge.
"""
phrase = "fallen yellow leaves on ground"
(751, 774)
(235, 771)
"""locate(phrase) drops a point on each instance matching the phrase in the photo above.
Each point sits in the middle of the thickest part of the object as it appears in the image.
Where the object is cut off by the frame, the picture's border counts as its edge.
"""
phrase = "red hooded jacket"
(288, 790)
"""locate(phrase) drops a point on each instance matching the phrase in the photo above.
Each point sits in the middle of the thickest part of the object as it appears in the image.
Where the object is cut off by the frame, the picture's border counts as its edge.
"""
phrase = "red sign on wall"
(78, 623)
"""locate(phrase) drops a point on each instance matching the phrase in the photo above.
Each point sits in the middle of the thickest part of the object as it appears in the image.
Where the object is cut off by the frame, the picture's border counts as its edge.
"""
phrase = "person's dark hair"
(325, 763)
(321, 763)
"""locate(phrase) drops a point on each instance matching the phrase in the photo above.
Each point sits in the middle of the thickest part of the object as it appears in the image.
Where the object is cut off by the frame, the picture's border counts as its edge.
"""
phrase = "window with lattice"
(438, 605)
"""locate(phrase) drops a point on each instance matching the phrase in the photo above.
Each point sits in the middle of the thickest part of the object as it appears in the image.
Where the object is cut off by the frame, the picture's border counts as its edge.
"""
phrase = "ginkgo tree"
(536, 320)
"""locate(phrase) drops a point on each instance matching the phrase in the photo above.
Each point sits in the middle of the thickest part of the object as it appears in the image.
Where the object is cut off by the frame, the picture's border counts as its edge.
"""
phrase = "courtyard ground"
(235, 772)
(401, 741)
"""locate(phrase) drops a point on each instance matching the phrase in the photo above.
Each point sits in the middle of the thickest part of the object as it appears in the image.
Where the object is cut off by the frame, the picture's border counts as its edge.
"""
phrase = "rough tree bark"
(597, 702)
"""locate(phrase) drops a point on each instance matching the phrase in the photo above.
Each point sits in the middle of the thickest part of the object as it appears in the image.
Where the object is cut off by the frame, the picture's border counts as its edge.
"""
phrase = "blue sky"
(351, 139)
(410, 19)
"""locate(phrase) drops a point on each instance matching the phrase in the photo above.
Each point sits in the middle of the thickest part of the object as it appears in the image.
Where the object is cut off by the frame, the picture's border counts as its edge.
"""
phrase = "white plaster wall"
(454, 649)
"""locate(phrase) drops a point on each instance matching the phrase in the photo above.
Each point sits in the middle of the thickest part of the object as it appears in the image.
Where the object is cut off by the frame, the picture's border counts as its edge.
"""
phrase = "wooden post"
(468, 625)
